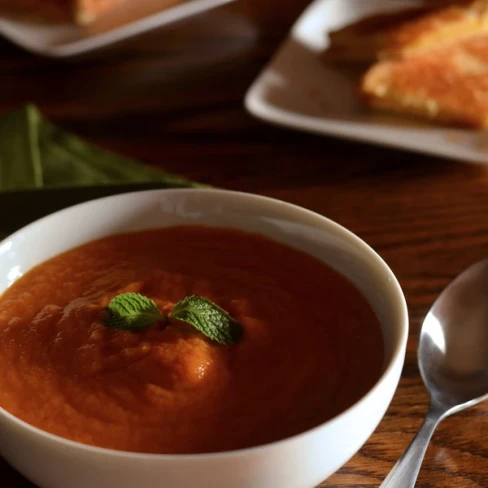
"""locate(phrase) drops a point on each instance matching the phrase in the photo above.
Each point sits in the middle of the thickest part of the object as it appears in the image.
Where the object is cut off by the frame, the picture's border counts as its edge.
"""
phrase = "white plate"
(127, 20)
(298, 90)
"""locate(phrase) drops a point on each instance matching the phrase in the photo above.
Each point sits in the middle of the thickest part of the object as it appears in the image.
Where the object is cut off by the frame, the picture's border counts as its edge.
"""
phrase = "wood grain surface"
(174, 98)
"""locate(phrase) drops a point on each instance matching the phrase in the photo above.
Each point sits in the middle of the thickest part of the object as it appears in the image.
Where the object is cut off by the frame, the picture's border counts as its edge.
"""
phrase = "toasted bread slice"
(51, 10)
(409, 32)
(87, 11)
(448, 85)
(360, 42)
(460, 20)
(82, 12)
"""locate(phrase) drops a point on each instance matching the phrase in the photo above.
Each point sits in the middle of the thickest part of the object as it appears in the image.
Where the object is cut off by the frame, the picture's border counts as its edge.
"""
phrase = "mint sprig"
(207, 317)
(134, 312)
(131, 311)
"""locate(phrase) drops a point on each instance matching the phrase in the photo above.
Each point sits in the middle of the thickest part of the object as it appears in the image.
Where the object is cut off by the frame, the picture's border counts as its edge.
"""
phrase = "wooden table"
(174, 98)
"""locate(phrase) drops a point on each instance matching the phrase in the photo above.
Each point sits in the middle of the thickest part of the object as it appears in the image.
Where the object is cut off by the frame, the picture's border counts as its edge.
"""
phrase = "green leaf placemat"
(36, 154)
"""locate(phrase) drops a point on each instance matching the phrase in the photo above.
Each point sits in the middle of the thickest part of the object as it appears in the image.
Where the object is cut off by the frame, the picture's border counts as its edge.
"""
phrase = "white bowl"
(302, 461)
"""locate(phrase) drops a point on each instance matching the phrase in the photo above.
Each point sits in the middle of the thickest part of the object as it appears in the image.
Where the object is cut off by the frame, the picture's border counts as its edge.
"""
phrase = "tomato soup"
(311, 344)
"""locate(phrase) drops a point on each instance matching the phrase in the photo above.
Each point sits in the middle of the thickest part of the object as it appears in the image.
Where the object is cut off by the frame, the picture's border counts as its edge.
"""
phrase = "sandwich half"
(409, 32)
(87, 11)
(361, 41)
(82, 12)
(447, 85)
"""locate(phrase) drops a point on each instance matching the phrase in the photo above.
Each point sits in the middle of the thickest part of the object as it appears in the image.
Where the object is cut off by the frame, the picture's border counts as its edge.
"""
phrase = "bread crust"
(409, 32)
(362, 40)
(83, 12)
(87, 11)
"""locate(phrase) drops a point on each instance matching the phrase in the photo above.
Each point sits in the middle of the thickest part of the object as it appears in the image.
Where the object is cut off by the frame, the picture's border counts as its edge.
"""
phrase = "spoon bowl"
(453, 362)
(453, 346)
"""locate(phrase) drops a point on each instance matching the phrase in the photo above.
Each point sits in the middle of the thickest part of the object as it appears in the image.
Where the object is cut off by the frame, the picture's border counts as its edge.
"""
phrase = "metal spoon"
(453, 362)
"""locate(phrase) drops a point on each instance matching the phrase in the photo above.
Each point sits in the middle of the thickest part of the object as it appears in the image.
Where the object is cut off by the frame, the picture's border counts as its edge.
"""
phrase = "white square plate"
(130, 18)
(299, 90)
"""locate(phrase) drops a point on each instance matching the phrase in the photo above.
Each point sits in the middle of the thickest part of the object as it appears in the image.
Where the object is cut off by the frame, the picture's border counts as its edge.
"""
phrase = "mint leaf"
(131, 311)
(207, 317)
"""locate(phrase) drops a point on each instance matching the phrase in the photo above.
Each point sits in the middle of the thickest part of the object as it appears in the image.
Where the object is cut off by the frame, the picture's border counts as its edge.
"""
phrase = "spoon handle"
(404, 473)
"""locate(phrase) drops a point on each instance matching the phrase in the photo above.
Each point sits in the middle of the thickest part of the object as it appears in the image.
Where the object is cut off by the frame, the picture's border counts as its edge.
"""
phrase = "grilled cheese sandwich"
(82, 12)
(409, 32)
(448, 85)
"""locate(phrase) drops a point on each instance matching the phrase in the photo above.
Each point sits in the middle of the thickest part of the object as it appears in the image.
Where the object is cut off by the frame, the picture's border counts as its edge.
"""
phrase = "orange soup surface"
(311, 347)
